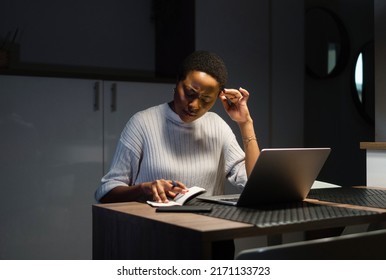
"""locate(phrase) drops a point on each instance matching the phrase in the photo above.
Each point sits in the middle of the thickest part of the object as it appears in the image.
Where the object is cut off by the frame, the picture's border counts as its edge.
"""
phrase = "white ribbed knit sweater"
(157, 144)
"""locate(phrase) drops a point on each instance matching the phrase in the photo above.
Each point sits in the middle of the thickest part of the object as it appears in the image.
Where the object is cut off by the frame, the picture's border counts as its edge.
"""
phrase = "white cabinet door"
(375, 168)
(50, 165)
(121, 101)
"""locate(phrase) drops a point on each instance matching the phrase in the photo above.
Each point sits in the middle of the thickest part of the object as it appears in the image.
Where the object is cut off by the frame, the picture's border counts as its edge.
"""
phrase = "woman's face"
(195, 96)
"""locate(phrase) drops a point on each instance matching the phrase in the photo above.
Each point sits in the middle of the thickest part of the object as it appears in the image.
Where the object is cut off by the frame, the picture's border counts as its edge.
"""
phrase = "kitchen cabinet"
(122, 100)
(57, 139)
(375, 163)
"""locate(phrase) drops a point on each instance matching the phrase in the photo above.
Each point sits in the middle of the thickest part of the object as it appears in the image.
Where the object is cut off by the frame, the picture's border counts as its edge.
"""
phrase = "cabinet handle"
(113, 104)
(96, 96)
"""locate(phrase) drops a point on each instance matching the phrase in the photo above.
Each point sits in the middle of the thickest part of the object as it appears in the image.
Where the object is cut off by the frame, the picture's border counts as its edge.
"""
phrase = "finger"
(232, 92)
(172, 194)
(229, 101)
(244, 93)
(176, 187)
(162, 193)
(233, 96)
(179, 185)
(155, 192)
(159, 193)
(225, 102)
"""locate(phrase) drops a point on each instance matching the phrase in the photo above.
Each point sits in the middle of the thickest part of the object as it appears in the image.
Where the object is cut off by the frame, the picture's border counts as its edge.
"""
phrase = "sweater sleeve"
(234, 157)
(126, 160)
(235, 164)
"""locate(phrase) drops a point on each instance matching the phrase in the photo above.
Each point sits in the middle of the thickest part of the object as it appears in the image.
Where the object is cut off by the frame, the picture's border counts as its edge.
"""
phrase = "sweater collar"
(172, 116)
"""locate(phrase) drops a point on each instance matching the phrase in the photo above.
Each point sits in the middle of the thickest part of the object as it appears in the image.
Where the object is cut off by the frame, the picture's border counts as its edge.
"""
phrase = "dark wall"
(114, 34)
(331, 115)
(174, 34)
(380, 69)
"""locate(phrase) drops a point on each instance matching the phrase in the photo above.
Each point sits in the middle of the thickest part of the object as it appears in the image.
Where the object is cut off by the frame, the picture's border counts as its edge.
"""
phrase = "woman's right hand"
(161, 189)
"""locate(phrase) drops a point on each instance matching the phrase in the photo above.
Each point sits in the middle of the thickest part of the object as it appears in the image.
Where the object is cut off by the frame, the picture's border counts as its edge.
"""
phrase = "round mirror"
(363, 83)
(358, 77)
(326, 43)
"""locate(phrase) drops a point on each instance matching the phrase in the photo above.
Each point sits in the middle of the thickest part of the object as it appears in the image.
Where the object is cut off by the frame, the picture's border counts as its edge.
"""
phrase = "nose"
(194, 104)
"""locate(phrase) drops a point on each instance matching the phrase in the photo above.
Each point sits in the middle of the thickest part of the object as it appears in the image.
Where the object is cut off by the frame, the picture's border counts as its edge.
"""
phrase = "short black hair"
(207, 62)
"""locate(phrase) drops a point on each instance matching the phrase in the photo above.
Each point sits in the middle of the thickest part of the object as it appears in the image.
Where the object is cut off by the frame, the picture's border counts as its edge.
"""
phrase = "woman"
(168, 148)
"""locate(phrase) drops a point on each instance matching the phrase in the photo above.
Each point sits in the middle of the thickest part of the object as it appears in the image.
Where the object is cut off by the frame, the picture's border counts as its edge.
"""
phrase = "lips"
(189, 113)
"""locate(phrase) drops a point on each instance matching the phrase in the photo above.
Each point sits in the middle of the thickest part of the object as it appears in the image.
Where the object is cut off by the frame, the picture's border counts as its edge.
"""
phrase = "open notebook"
(180, 199)
(279, 175)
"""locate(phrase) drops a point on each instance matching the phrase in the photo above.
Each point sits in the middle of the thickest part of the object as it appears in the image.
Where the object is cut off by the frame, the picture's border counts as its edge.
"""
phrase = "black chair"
(358, 246)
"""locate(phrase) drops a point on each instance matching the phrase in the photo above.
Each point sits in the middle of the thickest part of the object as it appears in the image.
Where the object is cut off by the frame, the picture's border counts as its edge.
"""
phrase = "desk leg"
(223, 250)
(274, 239)
(322, 233)
(376, 226)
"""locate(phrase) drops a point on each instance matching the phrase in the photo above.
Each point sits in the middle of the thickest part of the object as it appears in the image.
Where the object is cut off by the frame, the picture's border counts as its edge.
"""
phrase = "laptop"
(279, 176)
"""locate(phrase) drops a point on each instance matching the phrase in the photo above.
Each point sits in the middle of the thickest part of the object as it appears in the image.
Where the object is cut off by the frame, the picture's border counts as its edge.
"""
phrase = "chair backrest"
(361, 246)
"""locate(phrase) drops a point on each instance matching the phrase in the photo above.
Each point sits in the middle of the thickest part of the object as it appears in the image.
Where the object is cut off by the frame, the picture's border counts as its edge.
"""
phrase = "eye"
(190, 92)
(206, 99)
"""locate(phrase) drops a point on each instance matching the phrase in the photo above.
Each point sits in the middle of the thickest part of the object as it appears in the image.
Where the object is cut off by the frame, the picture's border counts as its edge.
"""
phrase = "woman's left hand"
(235, 104)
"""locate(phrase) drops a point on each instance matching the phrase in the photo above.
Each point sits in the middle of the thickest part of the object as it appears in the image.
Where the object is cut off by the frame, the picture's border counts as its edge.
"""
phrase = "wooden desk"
(135, 231)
